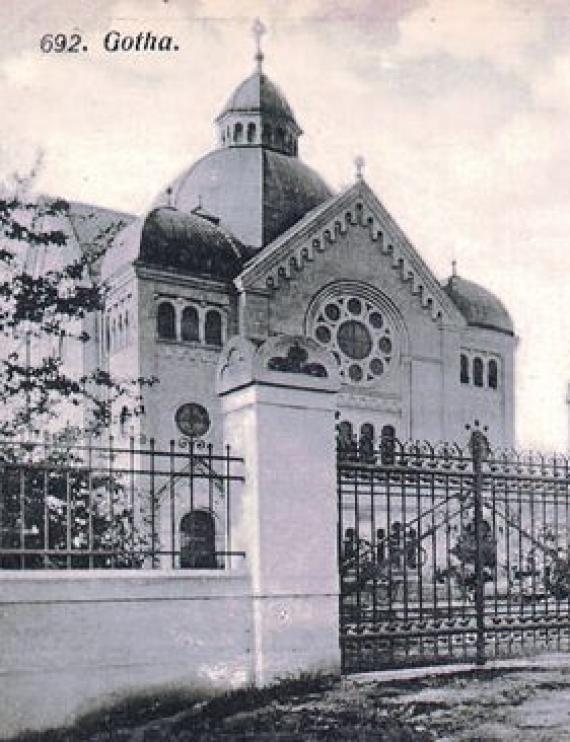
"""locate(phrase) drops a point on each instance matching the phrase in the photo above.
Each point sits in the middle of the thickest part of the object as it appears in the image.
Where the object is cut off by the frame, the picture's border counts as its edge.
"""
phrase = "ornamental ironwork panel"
(118, 504)
(449, 554)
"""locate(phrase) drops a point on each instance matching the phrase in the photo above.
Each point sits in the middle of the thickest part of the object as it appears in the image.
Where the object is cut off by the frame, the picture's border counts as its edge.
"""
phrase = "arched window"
(120, 339)
(127, 337)
(190, 324)
(464, 376)
(266, 134)
(388, 444)
(123, 420)
(279, 137)
(478, 371)
(238, 132)
(492, 374)
(366, 443)
(107, 333)
(213, 328)
(114, 334)
(347, 447)
(166, 321)
(198, 540)
(251, 132)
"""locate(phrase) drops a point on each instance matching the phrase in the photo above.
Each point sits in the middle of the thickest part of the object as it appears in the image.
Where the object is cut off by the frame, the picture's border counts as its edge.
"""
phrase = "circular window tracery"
(360, 336)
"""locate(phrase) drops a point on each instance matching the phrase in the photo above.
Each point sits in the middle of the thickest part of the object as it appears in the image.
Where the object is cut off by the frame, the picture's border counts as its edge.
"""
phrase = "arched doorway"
(198, 540)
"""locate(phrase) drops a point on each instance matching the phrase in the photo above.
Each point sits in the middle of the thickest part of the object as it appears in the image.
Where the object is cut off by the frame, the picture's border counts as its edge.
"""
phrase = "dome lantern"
(257, 113)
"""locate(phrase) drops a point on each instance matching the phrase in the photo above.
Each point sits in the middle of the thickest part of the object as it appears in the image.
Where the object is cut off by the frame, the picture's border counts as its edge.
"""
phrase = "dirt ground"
(520, 704)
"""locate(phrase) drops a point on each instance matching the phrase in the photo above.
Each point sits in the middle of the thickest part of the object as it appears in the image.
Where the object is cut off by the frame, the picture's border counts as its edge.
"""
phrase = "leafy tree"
(39, 311)
(51, 306)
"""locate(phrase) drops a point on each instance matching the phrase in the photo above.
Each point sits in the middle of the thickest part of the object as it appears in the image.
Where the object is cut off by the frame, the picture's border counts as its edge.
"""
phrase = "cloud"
(496, 31)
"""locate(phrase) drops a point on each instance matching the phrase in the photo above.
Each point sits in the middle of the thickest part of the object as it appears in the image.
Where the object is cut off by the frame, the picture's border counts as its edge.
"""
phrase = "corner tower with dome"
(249, 240)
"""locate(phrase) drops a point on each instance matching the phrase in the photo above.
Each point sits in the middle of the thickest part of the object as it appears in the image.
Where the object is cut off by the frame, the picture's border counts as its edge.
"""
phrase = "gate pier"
(278, 403)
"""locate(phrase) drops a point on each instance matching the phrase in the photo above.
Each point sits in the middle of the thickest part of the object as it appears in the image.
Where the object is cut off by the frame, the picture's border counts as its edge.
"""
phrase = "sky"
(460, 108)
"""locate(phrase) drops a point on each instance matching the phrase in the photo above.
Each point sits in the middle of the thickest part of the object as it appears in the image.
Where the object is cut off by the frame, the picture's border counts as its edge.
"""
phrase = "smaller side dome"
(188, 243)
(479, 306)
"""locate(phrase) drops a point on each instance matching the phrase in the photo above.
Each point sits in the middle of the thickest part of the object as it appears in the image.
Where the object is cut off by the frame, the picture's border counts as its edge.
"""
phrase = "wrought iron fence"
(70, 506)
(451, 554)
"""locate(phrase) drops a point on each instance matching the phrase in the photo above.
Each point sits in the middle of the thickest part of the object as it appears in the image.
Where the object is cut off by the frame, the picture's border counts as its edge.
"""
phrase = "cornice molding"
(356, 209)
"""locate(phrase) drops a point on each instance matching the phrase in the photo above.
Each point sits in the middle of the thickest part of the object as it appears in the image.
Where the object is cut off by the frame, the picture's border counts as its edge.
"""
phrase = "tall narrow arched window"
(464, 374)
(213, 328)
(120, 338)
(492, 374)
(166, 321)
(251, 132)
(107, 333)
(198, 540)
(279, 137)
(114, 334)
(238, 132)
(127, 335)
(266, 134)
(346, 446)
(366, 443)
(388, 444)
(478, 371)
(190, 324)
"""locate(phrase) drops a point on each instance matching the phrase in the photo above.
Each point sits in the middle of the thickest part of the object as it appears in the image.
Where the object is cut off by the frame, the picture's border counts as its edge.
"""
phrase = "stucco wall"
(74, 641)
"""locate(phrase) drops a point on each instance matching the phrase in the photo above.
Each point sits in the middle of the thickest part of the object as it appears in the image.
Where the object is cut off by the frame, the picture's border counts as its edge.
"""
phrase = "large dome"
(256, 193)
(479, 306)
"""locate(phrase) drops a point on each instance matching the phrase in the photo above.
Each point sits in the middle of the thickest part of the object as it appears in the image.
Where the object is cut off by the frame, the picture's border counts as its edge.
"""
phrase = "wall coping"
(107, 575)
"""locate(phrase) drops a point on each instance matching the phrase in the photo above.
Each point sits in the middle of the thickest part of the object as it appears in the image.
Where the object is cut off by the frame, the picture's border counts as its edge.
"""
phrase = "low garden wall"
(72, 642)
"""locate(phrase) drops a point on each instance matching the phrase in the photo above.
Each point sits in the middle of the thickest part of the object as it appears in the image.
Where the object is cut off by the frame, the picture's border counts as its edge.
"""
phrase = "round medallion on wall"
(359, 334)
(192, 420)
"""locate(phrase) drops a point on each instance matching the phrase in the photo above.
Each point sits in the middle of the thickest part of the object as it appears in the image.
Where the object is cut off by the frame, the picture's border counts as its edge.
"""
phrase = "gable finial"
(454, 267)
(360, 165)
(258, 29)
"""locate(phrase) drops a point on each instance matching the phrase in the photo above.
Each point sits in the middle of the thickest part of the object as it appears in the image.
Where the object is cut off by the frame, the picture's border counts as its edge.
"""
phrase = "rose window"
(358, 334)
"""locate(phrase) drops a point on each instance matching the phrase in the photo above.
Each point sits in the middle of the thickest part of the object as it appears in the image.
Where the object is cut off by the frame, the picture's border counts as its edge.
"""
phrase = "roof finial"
(454, 267)
(360, 164)
(258, 29)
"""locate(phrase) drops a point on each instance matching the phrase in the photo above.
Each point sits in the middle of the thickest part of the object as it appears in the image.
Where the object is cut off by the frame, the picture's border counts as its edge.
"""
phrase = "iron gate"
(450, 555)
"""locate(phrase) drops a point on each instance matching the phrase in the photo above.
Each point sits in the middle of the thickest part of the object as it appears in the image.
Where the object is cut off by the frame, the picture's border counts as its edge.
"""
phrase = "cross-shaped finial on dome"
(360, 164)
(258, 29)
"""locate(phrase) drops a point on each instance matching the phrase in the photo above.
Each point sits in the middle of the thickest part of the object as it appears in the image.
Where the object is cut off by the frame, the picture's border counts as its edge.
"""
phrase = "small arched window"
(213, 328)
(166, 321)
(198, 540)
(388, 444)
(107, 333)
(114, 334)
(251, 132)
(238, 132)
(190, 324)
(127, 337)
(464, 375)
(279, 137)
(367, 431)
(123, 420)
(492, 374)
(478, 371)
(266, 134)
(120, 338)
